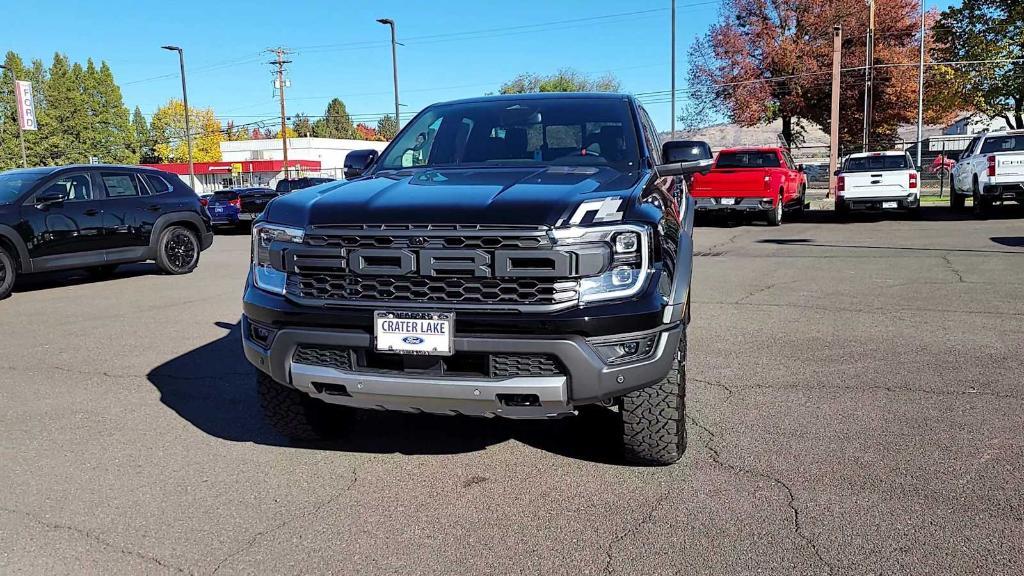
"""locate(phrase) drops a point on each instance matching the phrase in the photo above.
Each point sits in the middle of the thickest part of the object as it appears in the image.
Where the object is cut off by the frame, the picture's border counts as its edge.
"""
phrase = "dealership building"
(261, 162)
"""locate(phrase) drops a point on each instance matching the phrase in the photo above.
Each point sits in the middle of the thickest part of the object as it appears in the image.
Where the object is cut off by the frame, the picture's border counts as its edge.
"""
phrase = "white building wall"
(330, 152)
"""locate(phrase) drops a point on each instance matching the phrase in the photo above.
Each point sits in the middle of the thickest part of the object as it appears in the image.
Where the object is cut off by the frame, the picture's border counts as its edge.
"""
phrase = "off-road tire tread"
(12, 273)
(290, 412)
(653, 425)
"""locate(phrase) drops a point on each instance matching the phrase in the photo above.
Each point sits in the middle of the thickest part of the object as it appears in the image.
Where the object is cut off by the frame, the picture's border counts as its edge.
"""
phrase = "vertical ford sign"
(26, 107)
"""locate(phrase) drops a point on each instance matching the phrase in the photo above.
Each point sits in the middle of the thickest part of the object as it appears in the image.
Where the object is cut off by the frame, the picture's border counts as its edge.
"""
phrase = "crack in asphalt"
(646, 519)
(728, 390)
(88, 535)
(762, 290)
(893, 389)
(952, 268)
(280, 525)
(716, 457)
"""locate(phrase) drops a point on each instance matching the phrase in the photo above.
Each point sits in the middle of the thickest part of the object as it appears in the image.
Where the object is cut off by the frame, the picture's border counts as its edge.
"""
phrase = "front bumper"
(586, 379)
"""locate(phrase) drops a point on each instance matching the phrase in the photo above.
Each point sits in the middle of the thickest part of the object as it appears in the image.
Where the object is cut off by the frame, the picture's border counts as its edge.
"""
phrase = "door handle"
(154, 208)
(91, 212)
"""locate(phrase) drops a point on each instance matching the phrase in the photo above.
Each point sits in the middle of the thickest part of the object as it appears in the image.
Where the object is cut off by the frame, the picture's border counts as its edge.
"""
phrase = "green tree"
(565, 80)
(336, 122)
(10, 148)
(984, 30)
(387, 128)
(64, 124)
(168, 129)
(109, 134)
(143, 139)
(302, 126)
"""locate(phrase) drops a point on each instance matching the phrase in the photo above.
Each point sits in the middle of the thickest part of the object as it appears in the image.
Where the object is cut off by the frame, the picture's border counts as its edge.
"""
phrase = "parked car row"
(238, 207)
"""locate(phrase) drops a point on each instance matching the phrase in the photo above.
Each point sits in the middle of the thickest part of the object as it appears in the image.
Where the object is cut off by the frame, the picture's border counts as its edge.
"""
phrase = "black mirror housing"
(684, 151)
(357, 162)
(684, 168)
(50, 197)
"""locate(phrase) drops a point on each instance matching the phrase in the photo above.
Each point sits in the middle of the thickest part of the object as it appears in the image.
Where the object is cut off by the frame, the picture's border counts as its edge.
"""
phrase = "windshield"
(1003, 144)
(14, 184)
(747, 160)
(225, 195)
(555, 132)
(877, 163)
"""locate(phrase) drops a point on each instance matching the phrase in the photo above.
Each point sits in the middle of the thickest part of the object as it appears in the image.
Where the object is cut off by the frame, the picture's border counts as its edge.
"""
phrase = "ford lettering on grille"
(466, 263)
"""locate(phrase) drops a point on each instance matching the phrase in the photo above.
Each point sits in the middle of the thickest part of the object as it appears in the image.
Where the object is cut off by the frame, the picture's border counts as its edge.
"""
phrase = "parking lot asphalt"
(855, 406)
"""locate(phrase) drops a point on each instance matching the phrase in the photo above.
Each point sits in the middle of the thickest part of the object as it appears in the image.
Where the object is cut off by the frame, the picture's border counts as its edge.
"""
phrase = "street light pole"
(188, 127)
(21, 131)
(394, 63)
(673, 70)
(869, 73)
(920, 94)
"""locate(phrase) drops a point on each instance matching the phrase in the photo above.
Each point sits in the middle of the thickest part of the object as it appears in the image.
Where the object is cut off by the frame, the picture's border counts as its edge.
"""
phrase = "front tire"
(177, 250)
(292, 413)
(8, 273)
(653, 425)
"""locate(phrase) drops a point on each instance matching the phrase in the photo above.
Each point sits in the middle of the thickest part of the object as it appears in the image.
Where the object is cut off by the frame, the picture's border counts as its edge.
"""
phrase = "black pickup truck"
(517, 256)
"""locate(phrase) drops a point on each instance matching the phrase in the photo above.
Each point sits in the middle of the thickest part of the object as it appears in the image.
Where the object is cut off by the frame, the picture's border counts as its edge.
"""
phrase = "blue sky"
(454, 48)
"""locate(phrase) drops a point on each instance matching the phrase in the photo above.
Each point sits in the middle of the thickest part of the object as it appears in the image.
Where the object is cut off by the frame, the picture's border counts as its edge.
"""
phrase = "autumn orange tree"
(767, 60)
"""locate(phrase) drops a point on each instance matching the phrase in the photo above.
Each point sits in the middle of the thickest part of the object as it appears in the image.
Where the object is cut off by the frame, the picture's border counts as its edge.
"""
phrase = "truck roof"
(1003, 133)
(752, 149)
(542, 96)
(881, 153)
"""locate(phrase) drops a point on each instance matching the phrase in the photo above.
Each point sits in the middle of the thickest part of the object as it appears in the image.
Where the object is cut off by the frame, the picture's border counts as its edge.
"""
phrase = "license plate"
(890, 204)
(218, 210)
(413, 332)
(728, 201)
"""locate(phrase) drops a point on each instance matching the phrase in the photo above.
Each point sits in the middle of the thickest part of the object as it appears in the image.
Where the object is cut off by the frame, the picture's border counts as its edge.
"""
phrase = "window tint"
(1003, 144)
(747, 160)
(555, 131)
(651, 136)
(877, 163)
(74, 187)
(120, 185)
(225, 195)
(14, 184)
(157, 184)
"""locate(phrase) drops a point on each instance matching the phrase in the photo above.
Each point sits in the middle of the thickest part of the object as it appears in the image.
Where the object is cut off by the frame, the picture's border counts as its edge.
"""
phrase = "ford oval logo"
(412, 340)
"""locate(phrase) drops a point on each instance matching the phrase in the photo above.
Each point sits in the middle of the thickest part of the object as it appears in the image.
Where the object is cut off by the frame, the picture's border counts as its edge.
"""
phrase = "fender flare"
(677, 308)
(11, 235)
(166, 220)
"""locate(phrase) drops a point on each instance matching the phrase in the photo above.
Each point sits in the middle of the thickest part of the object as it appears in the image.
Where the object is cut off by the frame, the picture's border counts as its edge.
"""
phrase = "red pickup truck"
(763, 180)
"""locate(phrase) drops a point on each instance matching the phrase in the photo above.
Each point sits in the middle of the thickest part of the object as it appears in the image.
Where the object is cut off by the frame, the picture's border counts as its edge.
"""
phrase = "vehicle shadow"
(48, 280)
(213, 388)
(1012, 241)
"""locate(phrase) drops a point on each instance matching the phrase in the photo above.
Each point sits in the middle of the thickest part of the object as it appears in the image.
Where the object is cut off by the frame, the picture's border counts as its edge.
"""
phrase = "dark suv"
(286, 186)
(517, 256)
(96, 217)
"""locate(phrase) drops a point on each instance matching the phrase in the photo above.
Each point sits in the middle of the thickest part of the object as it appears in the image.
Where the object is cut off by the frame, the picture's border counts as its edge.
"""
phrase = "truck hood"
(501, 196)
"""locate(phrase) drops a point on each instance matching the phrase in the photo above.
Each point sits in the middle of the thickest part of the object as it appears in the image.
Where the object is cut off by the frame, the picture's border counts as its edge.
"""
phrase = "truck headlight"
(628, 270)
(264, 275)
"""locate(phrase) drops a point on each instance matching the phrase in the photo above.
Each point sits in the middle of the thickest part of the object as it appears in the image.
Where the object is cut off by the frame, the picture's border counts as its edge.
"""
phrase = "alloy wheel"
(181, 250)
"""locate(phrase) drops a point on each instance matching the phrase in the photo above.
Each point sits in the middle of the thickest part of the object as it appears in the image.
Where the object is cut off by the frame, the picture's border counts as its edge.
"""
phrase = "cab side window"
(74, 188)
(651, 136)
(157, 184)
(120, 185)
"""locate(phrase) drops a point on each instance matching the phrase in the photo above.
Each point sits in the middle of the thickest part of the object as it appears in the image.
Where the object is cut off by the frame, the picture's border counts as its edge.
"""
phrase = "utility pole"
(394, 64)
(920, 94)
(279, 62)
(188, 127)
(21, 131)
(837, 60)
(869, 73)
(673, 115)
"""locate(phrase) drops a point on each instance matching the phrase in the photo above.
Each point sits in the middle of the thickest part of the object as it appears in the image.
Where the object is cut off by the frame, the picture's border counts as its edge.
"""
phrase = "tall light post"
(188, 127)
(394, 63)
(21, 131)
(869, 73)
(673, 116)
(920, 92)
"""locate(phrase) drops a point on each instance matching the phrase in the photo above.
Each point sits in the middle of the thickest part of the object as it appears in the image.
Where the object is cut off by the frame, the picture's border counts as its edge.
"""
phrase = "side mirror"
(683, 151)
(800, 168)
(359, 161)
(684, 168)
(836, 173)
(50, 196)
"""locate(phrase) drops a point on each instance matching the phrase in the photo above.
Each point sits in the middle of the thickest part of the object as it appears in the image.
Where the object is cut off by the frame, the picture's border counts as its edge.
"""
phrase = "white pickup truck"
(990, 170)
(877, 181)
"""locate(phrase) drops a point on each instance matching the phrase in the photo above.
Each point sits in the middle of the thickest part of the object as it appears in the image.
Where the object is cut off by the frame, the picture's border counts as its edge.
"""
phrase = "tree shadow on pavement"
(213, 388)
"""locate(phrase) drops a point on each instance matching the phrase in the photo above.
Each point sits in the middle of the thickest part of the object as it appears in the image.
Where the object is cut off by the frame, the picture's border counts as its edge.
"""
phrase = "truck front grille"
(388, 264)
